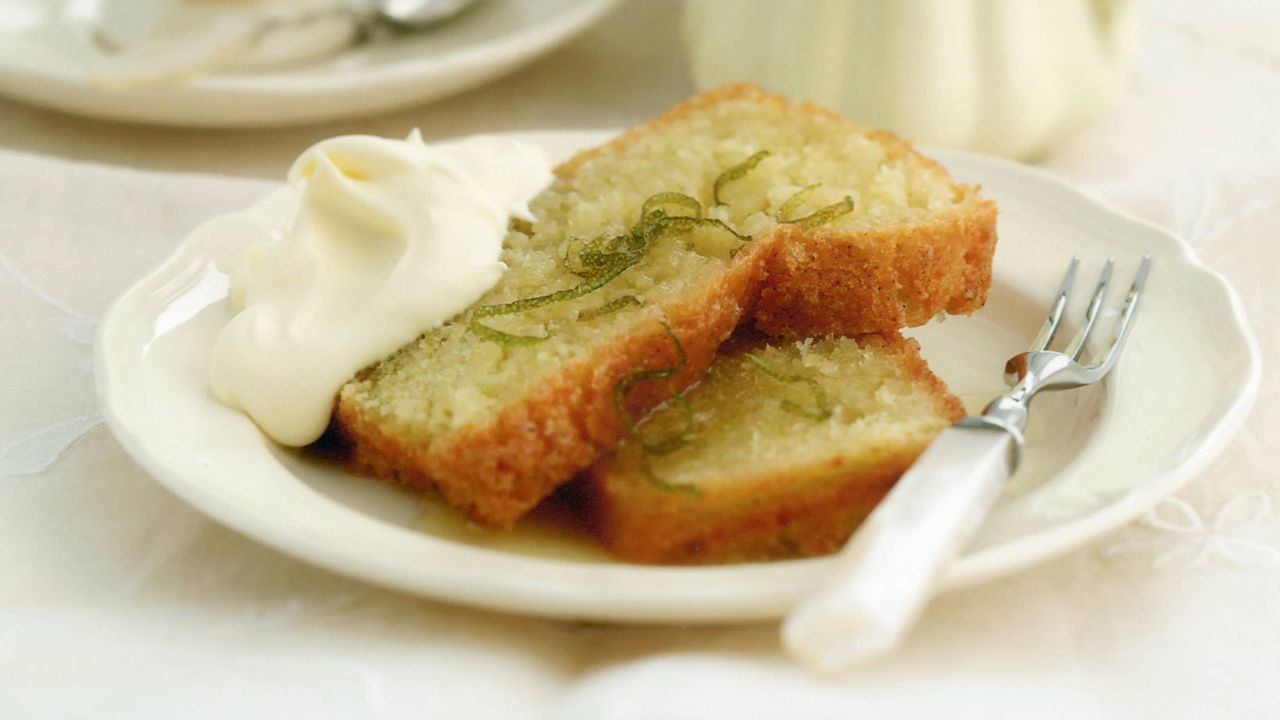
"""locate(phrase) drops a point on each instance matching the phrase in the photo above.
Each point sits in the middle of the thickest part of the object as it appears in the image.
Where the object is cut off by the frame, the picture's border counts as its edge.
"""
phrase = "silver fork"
(887, 571)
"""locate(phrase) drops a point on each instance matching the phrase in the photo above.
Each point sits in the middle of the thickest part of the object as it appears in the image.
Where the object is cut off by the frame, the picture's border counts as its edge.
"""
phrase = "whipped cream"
(392, 238)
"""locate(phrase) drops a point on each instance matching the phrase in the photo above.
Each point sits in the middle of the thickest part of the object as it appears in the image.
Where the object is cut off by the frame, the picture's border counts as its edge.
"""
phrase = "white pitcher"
(1010, 77)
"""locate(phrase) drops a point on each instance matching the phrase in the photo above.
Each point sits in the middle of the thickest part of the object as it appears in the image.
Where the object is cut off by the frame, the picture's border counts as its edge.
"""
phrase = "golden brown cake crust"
(804, 511)
(796, 285)
(877, 280)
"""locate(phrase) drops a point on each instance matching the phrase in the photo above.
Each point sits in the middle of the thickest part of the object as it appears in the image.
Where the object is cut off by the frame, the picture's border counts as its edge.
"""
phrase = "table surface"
(107, 580)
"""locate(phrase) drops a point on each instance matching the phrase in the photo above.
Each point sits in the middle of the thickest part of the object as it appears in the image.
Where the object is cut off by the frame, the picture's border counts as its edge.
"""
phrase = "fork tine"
(1125, 324)
(1045, 336)
(1091, 314)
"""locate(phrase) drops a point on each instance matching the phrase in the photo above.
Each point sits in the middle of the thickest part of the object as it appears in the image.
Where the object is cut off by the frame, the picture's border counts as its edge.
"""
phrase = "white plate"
(49, 64)
(1096, 457)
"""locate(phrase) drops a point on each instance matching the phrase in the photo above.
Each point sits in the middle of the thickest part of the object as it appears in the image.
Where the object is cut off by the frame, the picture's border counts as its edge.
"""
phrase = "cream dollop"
(391, 238)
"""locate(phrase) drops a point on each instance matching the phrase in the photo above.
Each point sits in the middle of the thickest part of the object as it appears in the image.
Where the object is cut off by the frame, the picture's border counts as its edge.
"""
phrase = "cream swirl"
(391, 239)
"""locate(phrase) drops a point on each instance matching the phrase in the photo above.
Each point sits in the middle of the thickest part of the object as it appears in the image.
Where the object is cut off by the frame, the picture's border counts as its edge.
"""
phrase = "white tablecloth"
(117, 600)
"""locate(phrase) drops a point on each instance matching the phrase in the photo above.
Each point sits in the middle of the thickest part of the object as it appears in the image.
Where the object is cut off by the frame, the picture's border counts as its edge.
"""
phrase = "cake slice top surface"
(793, 163)
(768, 408)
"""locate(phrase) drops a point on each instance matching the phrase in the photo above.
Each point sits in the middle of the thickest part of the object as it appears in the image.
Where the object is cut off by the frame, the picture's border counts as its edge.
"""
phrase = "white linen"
(117, 600)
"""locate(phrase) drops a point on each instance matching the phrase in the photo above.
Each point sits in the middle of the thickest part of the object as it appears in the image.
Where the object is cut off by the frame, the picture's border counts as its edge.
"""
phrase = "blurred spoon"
(294, 32)
(420, 13)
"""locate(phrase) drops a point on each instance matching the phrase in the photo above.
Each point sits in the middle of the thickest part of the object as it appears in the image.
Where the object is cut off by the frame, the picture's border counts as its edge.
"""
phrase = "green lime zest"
(610, 307)
(524, 305)
(793, 203)
(737, 172)
(669, 199)
(635, 377)
(516, 307)
(595, 256)
(665, 445)
(824, 215)
(660, 445)
(821, 408)
(685, 224)
(599, 260)
(494, 335)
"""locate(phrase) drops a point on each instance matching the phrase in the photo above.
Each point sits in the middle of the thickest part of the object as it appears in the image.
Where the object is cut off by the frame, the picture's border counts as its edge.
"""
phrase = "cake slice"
(645, 254)
(793, 444)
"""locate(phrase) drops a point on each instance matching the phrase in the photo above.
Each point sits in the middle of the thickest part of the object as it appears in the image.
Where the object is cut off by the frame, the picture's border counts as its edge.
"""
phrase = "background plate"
(1096, 457)
(49, 64)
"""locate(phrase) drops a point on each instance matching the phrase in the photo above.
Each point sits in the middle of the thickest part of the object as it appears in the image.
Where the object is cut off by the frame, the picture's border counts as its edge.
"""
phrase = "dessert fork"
(886, 573)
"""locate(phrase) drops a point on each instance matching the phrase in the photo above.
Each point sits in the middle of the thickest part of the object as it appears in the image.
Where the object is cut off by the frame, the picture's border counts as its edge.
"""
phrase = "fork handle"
(886, 574)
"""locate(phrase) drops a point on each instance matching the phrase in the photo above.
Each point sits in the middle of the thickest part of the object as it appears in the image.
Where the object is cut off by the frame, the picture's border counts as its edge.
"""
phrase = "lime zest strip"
(737, 172)
(793, 203)
(821, 408)
(666, 199)
(824, 215)
(661, 445)
(610, 307)
(491, 334)
(685, 224)
(524, 305)
(600, 260)
(635, 377)
(494, 335)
